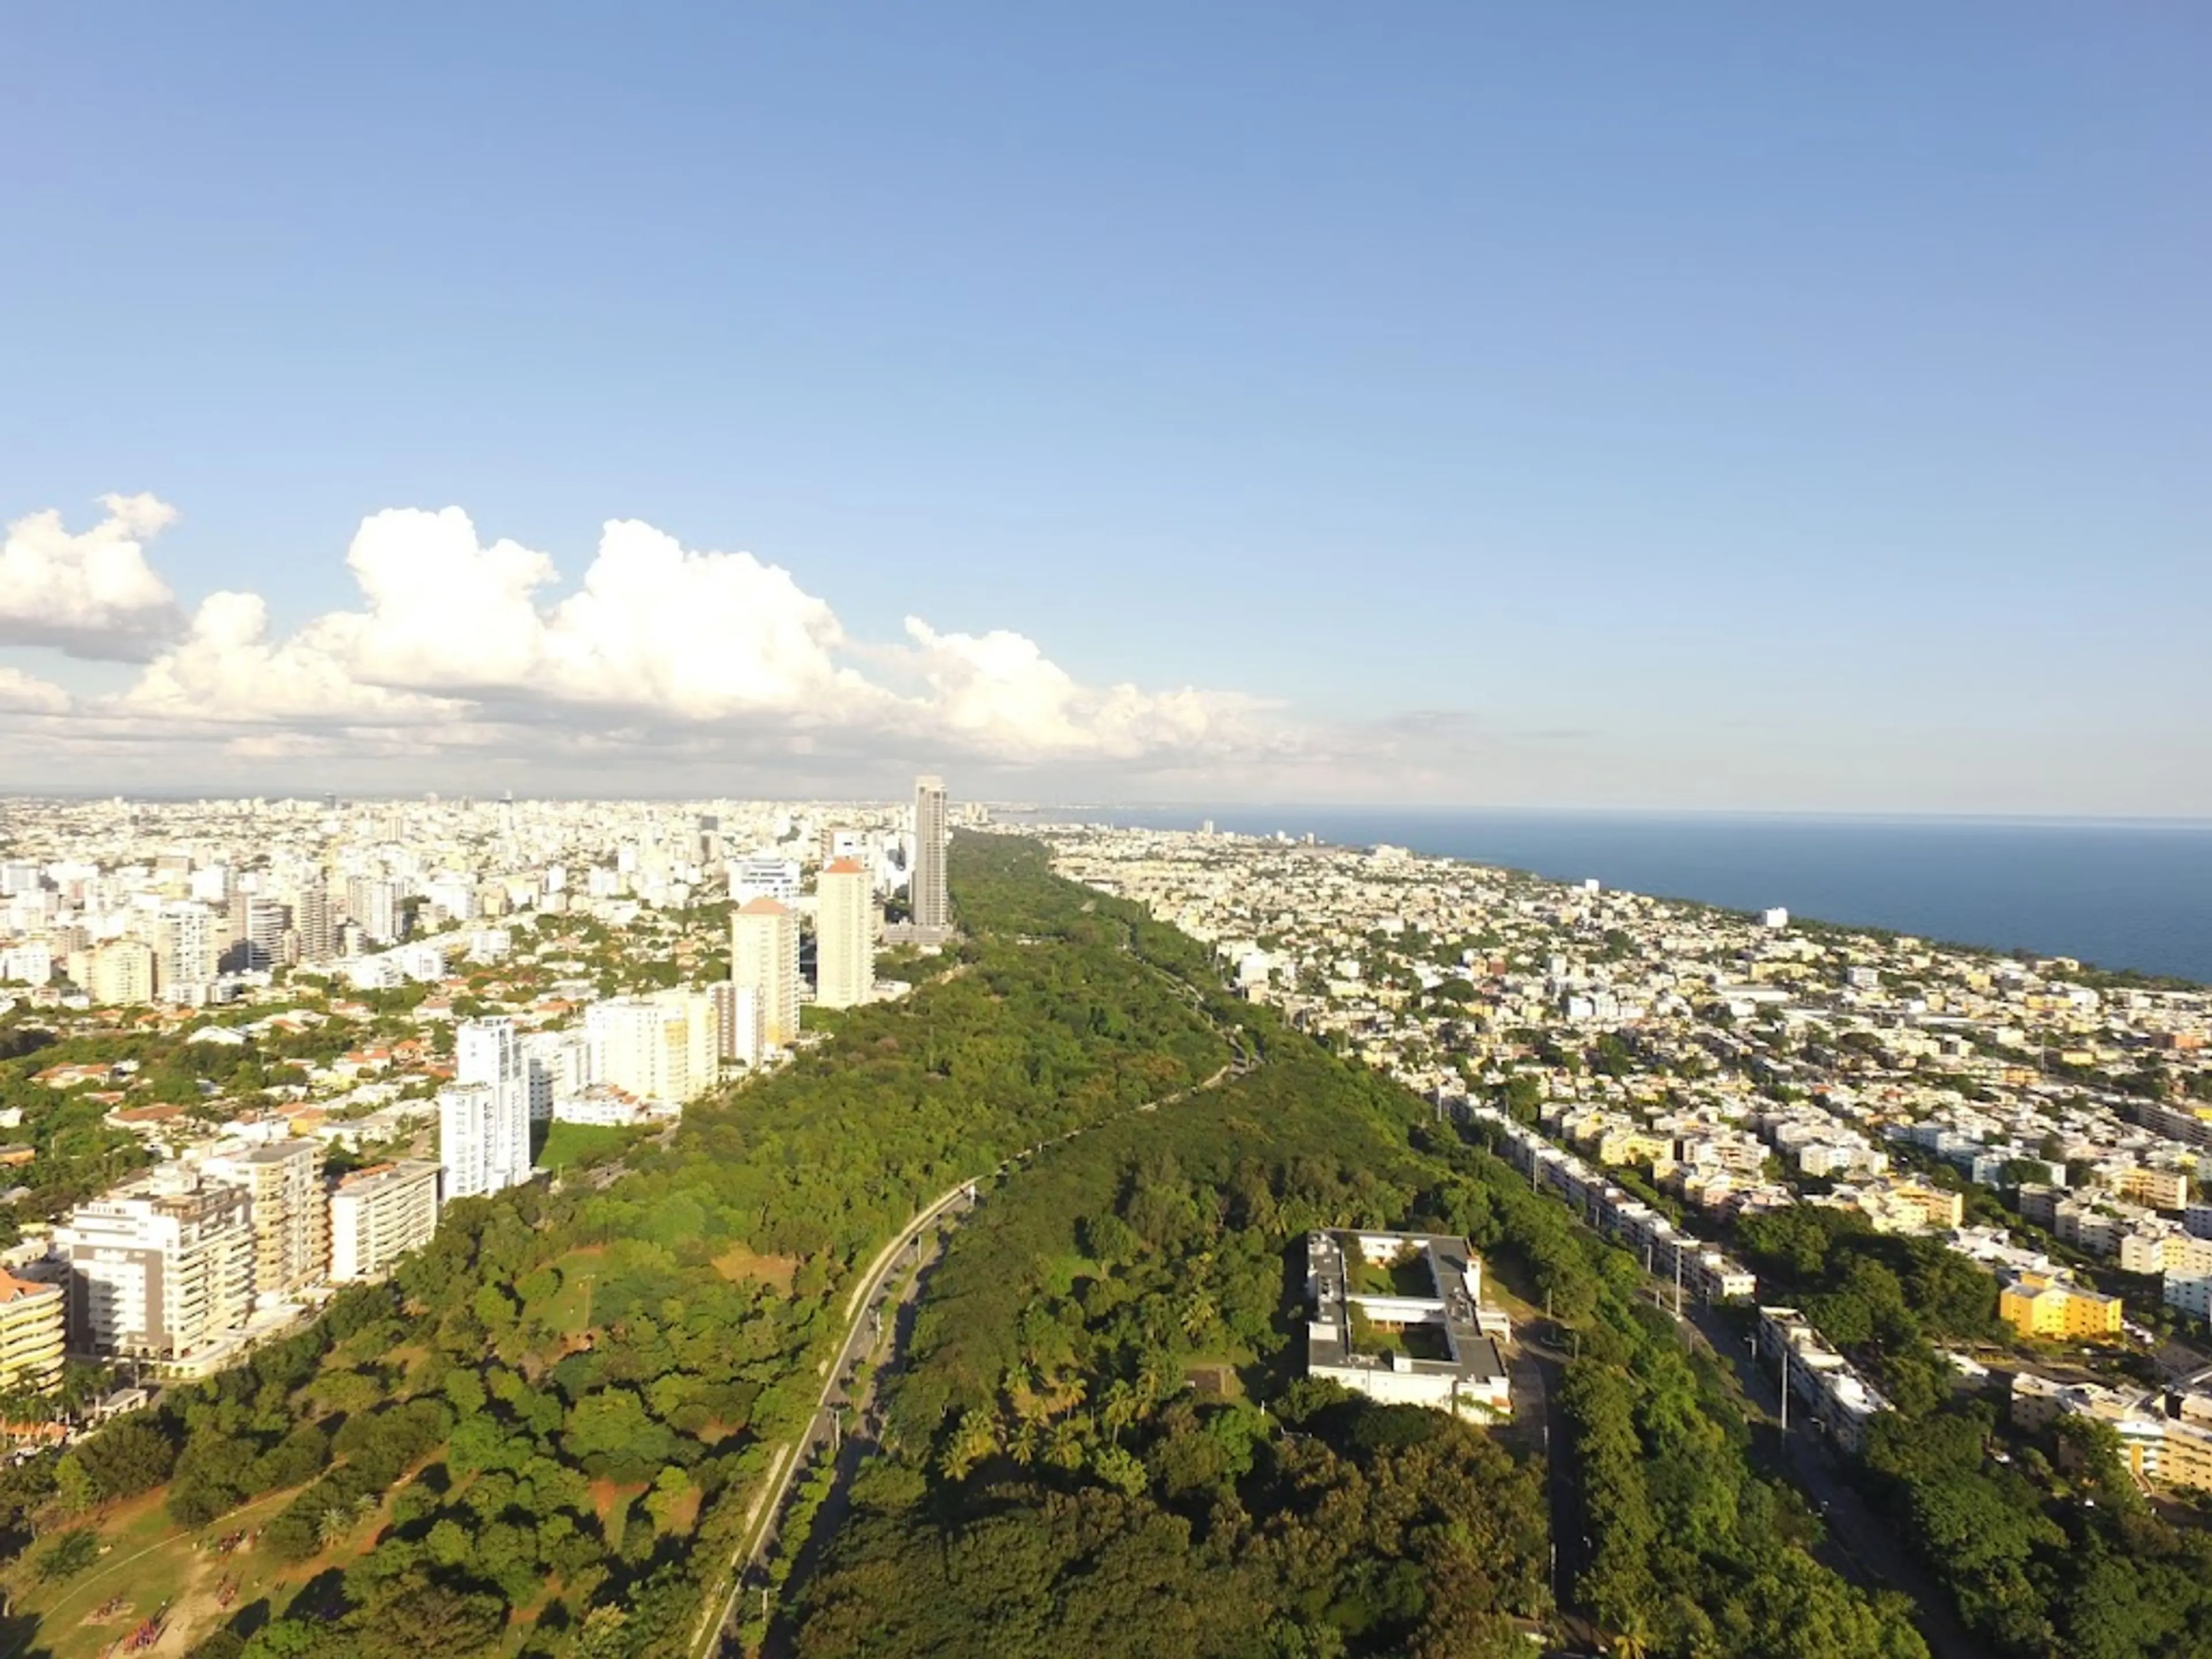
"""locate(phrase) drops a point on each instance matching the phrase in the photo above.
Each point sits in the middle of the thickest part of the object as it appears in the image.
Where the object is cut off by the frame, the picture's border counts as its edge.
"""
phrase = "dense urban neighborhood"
(253, 1047)
(1929, 1172)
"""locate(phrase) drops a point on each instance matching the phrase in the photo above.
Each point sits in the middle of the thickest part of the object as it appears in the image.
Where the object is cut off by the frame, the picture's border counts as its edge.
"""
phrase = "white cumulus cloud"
(1001, 690)
(227, 668)
(92, 594)
(23, 694)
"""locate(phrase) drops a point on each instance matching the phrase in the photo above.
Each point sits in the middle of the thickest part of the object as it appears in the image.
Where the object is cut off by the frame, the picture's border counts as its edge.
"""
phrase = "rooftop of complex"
(1336, 1263)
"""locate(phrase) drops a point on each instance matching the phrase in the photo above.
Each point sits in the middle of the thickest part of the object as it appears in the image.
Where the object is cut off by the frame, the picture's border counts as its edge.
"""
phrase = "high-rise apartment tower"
(764, 958)
(844, 936)
(290, 1212)
(932, 912)
(485, 1148)
(159, 1267)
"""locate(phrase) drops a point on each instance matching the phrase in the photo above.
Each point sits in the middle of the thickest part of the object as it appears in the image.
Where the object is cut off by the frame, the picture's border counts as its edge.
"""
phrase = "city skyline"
(257, 1050)
(1741, 412)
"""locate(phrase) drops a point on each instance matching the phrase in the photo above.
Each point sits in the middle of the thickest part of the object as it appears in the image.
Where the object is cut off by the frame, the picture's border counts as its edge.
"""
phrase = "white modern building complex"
(483, 1139)
(559, 1063)
(763, 876)
(1399, 1317)
(484, 1117)
(845, 935)
(489, 1051)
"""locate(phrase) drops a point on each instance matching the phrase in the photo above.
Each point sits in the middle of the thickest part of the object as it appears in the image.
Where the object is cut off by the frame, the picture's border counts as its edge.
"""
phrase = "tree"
(975, 1439)
(74, 1491)
(126, 1458)
(65, 1555)
(602, 1635)
(425, 1620)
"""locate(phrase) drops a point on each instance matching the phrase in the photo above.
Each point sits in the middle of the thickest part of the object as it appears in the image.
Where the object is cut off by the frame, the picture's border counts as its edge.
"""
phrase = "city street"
(1861, 1544)
(1537, 1370)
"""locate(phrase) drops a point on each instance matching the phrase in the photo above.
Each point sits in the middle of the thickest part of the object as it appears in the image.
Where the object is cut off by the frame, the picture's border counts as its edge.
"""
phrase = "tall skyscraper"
(737, 1021)
(265, 922)
(315, 919)
(844, 936)
(489, 1050)
(932, 911)
(185, 959)
(764, 957)
(374, 903)
(120, 971)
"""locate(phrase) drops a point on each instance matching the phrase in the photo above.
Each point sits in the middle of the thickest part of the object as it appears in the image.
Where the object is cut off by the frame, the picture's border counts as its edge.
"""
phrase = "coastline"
(2129, 900)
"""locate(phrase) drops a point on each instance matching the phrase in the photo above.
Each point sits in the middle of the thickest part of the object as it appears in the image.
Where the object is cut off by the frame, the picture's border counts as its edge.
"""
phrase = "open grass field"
(150, 1565)
(565, 1142)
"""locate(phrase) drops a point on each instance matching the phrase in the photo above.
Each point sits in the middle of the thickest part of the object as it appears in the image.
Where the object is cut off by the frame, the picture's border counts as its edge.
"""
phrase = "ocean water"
(2120, 894)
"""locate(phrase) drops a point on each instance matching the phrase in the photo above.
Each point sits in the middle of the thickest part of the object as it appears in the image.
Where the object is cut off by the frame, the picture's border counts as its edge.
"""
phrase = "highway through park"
(873, 1313)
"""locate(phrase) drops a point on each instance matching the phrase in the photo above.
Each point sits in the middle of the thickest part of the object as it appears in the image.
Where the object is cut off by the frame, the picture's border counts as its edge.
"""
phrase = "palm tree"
(1152, 1373)
(333, 1525)
(1068, 1395)
(1022, 1393)
(975, 1439)
(1119, 1407)
(1198, 1315)
(1064, 1447)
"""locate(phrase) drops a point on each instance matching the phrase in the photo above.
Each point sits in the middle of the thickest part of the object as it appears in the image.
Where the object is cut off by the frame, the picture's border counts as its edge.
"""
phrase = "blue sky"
(1720, 406)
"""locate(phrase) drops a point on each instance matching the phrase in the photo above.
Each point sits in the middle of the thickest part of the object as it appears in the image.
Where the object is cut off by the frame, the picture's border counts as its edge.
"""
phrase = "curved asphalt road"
(859, 1336)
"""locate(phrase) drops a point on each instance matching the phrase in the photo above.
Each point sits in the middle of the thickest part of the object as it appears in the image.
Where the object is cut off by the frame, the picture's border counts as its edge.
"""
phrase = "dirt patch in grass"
(610, 1499)
(153, 1563)
(1213, 1380)
(684, 1514)
(197, 1610)
(737, 1264)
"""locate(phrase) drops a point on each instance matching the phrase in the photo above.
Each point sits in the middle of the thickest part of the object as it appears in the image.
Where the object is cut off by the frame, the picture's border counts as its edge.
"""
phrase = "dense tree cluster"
(555, 1415)
(1044, 1433)
(1879, 1296)
(1061, 1487)
(2046, 1567)
(1690, 1554)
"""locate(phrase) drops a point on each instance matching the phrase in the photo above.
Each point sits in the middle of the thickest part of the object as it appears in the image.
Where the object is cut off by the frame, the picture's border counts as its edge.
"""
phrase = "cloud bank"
(461, 646)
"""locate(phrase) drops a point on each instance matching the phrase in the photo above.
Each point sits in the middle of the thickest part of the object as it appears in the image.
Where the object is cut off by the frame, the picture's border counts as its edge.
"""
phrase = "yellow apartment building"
(2035, 1304)
(31, 1333)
